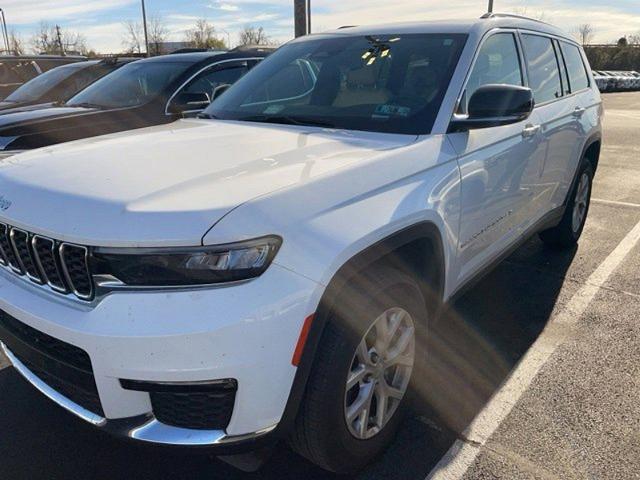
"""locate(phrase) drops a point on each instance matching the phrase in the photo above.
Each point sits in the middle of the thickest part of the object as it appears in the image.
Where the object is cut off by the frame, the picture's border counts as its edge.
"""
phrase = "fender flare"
(369, 256)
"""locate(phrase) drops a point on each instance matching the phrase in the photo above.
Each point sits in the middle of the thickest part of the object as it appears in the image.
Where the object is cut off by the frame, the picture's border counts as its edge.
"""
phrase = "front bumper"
(246, 332)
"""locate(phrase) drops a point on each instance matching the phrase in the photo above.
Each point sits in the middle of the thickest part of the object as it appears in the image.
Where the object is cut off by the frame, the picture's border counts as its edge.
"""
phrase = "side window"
(294, 80)
(544, 75)
(498, 62)
(210, 79)
(577, 70)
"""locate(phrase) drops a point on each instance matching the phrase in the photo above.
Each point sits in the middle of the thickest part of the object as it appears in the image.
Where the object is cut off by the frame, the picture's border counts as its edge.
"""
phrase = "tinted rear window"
(544, 75)
(577, 73)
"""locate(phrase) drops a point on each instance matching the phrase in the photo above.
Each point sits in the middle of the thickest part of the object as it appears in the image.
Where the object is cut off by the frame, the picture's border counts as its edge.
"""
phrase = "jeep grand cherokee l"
(269, 270)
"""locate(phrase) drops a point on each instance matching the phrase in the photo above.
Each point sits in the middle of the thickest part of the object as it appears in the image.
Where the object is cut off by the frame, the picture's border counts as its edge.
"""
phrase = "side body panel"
(414, 184)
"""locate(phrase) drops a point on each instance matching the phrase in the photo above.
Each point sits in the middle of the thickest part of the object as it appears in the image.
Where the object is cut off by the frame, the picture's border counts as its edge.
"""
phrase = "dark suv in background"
(16, 70)
(60, 83)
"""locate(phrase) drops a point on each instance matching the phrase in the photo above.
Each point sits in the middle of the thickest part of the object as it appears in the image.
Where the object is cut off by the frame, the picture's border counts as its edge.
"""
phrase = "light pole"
(302, 16)
(490, 6)
(5, 34)
(144, 25)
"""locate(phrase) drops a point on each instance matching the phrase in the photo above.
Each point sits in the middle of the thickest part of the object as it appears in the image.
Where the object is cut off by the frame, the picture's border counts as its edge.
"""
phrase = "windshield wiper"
(287, 120)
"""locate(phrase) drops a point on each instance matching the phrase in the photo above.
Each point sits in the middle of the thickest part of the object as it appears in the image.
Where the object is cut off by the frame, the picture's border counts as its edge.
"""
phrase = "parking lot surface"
(541, 382)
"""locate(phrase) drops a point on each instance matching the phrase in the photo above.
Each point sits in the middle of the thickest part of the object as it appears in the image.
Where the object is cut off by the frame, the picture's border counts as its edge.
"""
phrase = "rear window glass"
(577, 72)
(544, 75)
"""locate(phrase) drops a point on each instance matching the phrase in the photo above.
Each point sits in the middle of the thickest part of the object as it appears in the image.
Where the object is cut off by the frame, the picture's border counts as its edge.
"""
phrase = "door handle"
(579, 111)
(530, 131)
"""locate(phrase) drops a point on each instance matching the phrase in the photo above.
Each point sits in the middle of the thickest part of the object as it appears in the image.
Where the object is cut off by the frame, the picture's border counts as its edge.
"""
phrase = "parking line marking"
(615, 203)
(455, 463)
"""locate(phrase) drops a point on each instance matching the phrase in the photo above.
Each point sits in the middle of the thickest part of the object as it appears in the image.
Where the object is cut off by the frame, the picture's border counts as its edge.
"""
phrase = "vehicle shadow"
(475, 346)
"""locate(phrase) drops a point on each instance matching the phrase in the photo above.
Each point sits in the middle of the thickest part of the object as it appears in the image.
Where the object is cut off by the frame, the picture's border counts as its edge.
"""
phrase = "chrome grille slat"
(63, 267)
(46, 255)
(75, 267)
(21, 244)
(7, 249)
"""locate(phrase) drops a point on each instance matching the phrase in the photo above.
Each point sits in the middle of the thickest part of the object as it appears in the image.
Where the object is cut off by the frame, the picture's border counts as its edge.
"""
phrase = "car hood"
(13, 107)
(167, 185)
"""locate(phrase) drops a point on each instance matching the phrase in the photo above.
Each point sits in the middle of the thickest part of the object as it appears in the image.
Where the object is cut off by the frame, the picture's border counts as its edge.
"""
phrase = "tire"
(567, 233)
(322, 432)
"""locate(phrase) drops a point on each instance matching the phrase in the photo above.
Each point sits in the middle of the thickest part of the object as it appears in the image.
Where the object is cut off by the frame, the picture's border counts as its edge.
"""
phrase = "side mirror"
(189, 102)
(219, 90)
(495, 105)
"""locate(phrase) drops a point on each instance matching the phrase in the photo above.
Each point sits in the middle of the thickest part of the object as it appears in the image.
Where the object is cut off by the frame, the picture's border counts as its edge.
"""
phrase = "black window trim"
(524, 73)
(559, 39)
(584, 66)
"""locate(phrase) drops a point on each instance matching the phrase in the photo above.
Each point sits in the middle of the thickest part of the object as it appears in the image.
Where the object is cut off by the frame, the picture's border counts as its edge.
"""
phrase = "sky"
(101, 22)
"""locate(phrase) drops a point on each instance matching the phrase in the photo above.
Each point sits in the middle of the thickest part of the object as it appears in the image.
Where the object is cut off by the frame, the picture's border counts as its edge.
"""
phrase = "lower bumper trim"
(144, 428)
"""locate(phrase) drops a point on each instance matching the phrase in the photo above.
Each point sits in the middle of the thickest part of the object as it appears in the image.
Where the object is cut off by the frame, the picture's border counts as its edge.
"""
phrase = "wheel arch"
(420, 243)
(592, 149)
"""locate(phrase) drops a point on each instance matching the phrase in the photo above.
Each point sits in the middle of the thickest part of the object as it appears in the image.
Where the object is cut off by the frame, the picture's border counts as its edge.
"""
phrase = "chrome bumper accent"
(144, 428)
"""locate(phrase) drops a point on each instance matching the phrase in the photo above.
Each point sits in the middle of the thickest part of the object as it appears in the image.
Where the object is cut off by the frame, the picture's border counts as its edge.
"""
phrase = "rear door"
(500, 166)
(585, 102)
(557, 113)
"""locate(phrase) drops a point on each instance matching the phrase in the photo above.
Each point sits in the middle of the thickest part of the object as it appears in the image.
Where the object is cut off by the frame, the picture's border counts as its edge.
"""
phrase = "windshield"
(132, 85)
(390, 83)
(40, 86)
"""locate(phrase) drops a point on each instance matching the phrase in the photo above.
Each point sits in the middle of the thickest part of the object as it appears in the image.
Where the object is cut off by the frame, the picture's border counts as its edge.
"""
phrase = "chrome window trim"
(207, 67)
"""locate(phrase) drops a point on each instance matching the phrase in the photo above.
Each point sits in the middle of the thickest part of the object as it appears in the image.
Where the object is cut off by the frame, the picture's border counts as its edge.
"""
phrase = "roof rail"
(512, 15)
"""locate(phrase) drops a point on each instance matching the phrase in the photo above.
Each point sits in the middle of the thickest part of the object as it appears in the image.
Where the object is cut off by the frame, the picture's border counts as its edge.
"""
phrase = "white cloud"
(32, 11)
(224, 6)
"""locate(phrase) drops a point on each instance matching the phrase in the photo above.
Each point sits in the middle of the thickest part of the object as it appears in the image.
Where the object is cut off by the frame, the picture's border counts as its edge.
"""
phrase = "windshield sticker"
(383, 111)
(273, 109)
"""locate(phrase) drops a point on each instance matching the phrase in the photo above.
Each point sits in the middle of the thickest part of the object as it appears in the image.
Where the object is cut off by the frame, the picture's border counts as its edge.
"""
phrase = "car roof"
(478, 26)
(196, 57)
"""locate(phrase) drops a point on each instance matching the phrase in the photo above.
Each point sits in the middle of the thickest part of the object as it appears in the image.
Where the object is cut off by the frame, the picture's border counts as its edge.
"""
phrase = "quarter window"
(577, 71)
(498, 62)
(544, 75)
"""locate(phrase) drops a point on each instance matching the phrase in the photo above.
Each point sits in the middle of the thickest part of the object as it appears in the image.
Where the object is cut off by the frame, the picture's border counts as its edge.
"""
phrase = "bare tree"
(52, 39)
(585, 33)
(203, 35)
(253, 36)
(133, 39)
(634, 39)
(158, 34)
(16, 43)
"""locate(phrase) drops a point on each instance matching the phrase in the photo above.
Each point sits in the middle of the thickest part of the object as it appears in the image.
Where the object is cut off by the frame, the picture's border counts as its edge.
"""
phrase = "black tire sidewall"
(588, 169)
(346, 452)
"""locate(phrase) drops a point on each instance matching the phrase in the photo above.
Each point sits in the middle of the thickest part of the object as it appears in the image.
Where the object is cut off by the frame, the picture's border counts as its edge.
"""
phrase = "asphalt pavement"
(542, 377)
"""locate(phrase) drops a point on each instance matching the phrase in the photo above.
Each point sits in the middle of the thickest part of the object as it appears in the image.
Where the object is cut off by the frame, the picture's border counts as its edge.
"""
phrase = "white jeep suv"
(269, 270)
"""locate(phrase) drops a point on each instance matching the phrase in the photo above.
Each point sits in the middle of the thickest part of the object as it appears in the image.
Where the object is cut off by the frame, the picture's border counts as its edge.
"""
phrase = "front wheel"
(355, 396)
(567, 233)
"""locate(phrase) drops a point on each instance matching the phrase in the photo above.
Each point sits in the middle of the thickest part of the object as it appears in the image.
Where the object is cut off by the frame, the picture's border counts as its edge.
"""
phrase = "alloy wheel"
(380, 373)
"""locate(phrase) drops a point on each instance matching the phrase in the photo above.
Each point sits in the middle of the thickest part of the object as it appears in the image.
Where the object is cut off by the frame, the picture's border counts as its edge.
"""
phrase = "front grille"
(195, 410)
(64, 367)
(61, 266)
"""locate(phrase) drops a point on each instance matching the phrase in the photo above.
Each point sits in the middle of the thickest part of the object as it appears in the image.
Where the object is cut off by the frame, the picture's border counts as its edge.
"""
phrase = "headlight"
(167, 267)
